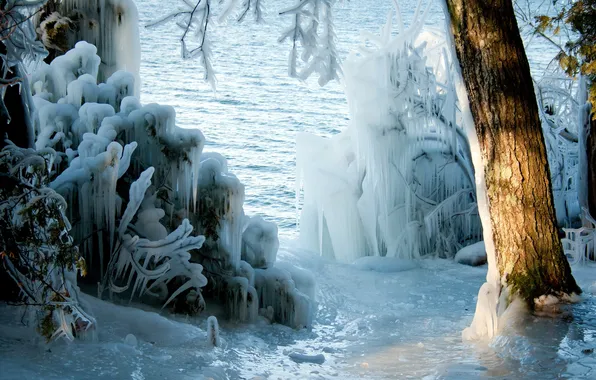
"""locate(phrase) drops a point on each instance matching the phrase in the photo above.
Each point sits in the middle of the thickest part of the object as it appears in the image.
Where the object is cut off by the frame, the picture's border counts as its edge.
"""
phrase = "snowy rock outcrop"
(156, 217)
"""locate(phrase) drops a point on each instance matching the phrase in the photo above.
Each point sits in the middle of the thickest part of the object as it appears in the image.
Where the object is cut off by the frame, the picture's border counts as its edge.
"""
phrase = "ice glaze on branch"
(312, 28)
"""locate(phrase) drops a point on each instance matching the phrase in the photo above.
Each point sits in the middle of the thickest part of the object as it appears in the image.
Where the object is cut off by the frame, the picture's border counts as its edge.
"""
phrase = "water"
(257, 110)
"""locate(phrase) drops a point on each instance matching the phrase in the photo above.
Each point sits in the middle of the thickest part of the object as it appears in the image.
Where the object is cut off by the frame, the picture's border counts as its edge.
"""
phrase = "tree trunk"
(529, 255)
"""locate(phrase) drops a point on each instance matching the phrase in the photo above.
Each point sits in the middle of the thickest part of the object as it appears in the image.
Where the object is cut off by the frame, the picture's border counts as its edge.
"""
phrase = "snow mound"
(384, 264)
(473, 255)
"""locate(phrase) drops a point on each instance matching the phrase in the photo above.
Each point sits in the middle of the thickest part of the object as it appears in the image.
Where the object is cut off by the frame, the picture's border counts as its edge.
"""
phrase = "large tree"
(527, 250)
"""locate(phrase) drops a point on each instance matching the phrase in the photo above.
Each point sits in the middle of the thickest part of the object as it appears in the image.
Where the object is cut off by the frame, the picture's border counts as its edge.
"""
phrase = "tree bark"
(496, 73)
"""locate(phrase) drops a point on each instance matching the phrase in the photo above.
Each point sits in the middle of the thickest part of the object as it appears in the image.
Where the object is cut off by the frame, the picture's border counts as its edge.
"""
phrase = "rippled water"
(257, 110)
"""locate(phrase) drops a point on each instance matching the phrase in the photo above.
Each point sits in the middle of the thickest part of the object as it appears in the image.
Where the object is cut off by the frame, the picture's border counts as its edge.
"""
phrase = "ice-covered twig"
(193, 17)
(317, 39)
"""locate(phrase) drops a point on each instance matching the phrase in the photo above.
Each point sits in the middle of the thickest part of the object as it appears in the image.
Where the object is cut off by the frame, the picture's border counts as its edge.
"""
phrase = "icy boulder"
(260, 243)
(473, 255)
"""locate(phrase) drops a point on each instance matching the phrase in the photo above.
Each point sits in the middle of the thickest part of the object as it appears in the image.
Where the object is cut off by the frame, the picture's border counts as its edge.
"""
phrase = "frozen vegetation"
(399, 181)
(154, 217)
(179, 233)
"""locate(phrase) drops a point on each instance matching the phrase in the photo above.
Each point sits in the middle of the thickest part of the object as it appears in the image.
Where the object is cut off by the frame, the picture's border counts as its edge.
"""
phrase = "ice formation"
(399, 181)
(110, 25)
(312, 30)
(41, 256)
(473, 255)
(154, 215)
(213, 332)
(260, 243)
(561, 103)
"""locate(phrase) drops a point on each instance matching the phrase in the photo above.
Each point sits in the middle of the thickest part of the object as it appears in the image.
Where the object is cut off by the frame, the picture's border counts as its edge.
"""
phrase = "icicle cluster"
(564, 122)
(110, 25)
(399, 181)
(137, 184)
(236, 245)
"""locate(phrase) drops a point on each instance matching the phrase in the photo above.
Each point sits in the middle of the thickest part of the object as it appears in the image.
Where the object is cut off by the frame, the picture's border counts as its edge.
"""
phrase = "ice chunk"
(276, 289)
(303, 358)
(472, 255)
(131, 340)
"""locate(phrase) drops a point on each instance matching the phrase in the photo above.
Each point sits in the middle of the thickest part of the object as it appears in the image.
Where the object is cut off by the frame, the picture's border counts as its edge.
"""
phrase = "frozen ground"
(403, 323)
